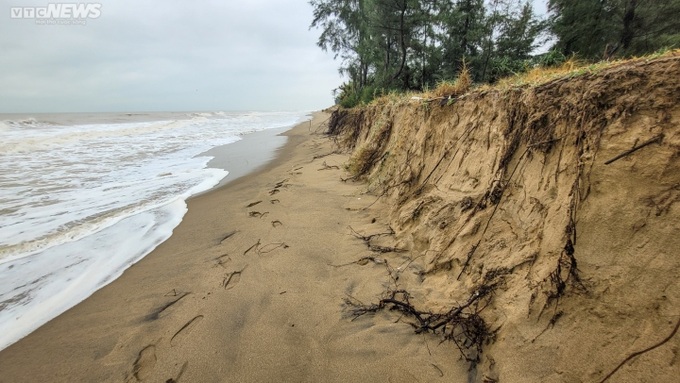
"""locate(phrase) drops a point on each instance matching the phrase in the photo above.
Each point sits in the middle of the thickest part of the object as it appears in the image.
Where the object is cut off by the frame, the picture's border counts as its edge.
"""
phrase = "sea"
(85, 196)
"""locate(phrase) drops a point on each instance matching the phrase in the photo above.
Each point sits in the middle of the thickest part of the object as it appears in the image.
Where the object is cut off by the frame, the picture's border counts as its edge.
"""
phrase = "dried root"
(377, 248)
(461, 325)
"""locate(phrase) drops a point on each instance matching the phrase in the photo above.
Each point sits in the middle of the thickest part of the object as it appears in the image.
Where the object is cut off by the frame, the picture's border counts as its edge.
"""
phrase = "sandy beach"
(249, 288)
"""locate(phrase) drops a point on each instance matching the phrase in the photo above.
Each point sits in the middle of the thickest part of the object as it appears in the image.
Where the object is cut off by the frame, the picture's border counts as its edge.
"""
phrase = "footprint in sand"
(222, 260)
(257, 214)
(278, 186)
(145, 363)
(232, 279)
(179, 375)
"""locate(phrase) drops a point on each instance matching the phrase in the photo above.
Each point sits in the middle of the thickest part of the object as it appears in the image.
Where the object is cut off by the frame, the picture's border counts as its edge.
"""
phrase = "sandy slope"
(524, 192)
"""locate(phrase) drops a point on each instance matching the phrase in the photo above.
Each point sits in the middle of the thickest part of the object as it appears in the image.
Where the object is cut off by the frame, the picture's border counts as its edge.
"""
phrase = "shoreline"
(248, 288)
(229, 155)
(240, 160)
(251, 151)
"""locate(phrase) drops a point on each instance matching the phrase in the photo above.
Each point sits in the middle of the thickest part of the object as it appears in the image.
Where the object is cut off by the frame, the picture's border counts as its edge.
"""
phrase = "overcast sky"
(167, 55)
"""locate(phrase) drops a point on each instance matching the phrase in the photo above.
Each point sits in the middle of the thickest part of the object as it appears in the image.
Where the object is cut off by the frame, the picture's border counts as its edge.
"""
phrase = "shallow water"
(82, 197)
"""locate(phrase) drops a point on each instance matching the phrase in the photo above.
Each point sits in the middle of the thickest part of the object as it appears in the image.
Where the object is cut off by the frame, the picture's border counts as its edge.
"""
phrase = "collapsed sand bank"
(559, 198)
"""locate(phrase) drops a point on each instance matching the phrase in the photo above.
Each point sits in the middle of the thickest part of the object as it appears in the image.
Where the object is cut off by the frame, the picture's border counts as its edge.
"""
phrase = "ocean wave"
(80, 202)
(29, 122)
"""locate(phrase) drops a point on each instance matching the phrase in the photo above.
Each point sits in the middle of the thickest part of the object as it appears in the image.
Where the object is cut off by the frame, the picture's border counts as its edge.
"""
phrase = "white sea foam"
(37, 288)
(80, 203)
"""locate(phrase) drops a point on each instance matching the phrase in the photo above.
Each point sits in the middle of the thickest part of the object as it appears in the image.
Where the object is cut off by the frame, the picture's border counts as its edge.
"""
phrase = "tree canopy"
(601, 29)
(414, 44)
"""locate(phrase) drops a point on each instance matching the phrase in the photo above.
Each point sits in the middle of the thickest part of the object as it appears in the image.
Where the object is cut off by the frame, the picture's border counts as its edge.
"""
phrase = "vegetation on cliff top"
(415, 45)
(447, 91)
(531, 223)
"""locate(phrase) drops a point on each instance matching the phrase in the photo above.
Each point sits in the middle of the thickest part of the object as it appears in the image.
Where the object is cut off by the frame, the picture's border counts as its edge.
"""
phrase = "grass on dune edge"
(449, 90)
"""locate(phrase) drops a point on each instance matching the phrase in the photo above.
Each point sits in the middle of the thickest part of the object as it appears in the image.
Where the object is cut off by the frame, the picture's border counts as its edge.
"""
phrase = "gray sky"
(166, 55)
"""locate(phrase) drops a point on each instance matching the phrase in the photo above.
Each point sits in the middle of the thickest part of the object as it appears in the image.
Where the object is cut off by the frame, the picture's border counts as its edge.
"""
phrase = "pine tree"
(517, 33)
(597, 29)
(413, 44)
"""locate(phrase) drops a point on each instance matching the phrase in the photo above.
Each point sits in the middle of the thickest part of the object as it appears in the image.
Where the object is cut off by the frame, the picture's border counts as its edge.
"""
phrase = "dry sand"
(249, 288)
(560, 198)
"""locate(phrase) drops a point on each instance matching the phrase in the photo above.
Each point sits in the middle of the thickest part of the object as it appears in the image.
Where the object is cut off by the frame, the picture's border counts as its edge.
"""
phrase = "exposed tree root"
(324, 155)
(268, 248)
(377, 248)
(658, 139)
(362, 262)
(461, 325)
(255, 247)
(367, 238)
(228, 235)
(638, 353)
(325, 166)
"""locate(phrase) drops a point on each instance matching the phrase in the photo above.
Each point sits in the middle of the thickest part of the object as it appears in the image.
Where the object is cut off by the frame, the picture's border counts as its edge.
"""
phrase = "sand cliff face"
(518, 188)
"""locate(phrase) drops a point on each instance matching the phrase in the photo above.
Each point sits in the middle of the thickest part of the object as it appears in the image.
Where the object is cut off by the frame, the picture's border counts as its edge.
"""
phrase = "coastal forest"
(401, 45)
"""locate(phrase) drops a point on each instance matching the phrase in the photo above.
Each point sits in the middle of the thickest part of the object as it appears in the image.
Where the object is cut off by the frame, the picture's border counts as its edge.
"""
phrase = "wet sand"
(252, 152)
(249, 288)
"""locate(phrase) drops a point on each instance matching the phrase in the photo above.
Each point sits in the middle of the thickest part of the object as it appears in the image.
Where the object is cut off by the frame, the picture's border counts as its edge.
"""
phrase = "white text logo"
(58, 13)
